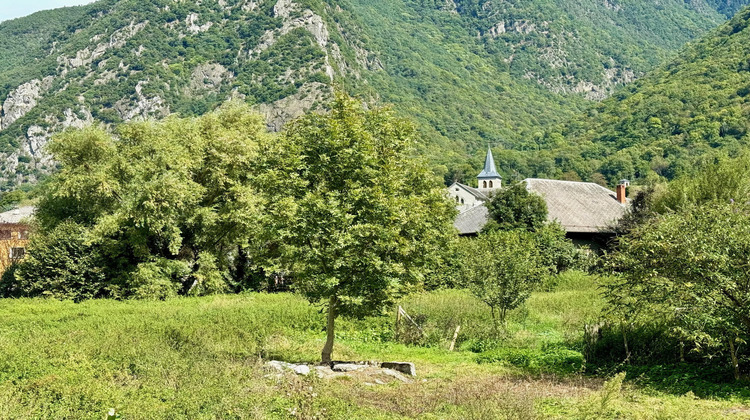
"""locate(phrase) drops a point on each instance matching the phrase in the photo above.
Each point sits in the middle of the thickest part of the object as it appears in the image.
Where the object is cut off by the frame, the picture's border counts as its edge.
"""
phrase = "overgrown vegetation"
(468, 72)
(682, 114)
(200, 358)
(679, 298)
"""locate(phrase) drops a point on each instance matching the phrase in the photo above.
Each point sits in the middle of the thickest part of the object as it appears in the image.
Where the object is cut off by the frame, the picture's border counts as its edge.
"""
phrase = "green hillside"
(695, 107)
(469, 73)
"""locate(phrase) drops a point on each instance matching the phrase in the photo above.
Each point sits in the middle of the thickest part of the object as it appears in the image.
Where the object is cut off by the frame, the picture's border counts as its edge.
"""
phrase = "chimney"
(621, 190)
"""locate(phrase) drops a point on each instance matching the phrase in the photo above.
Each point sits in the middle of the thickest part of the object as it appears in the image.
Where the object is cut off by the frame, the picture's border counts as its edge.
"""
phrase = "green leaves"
(502, 268)
(367, 218)
(166, 203)
(689, 268)
(514, 207)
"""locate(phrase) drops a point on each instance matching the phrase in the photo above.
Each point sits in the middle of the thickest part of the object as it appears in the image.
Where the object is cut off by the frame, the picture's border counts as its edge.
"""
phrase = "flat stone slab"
(394, 374)
(348, 367)
(284, 366)
(370, 371)
(403, 367)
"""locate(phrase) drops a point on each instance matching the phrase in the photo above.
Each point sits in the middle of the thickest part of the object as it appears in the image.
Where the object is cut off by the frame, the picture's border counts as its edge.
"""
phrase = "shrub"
(61, 264)
(9, 284)
(558, 360)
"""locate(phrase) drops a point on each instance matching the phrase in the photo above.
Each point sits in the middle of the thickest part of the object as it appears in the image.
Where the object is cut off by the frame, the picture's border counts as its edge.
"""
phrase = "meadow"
(203, 358)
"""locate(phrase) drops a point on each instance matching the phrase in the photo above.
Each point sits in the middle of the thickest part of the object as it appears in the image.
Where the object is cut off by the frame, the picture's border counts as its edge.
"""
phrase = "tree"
(502, 268)
(359, 218)
(689, 268)
(62, 265)
(163, 203)
(515, 207)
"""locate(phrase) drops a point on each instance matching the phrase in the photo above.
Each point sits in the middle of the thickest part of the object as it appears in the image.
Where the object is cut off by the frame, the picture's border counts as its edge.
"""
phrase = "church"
(583, 209)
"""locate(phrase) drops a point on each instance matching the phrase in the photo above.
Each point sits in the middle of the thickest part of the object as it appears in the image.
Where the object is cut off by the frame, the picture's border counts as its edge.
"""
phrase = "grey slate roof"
(473, 191)
(472, 220)
(578, 206)
(489, 170)
(17, 215)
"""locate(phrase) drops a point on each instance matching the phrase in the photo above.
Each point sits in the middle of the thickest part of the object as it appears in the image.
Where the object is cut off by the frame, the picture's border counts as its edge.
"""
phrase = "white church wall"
(463, 199)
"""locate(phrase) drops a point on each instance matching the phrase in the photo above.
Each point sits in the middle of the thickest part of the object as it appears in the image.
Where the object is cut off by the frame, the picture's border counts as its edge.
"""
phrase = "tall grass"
(183, 357)
(202, 358)
(548, 318)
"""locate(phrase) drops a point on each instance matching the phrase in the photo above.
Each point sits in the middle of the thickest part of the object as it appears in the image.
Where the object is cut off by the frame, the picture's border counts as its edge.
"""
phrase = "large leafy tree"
(502, 268)
(164, 204)
(514, 207)
(690, 269)
(360, 218)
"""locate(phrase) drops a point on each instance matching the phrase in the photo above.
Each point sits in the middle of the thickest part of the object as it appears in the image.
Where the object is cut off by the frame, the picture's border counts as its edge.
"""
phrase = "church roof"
(581, 207)
(473, 191)
(472, 220)
(489, 170)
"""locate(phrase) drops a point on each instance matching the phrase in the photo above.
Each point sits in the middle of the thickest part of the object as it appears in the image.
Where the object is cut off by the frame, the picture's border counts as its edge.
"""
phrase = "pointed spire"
(489, 170)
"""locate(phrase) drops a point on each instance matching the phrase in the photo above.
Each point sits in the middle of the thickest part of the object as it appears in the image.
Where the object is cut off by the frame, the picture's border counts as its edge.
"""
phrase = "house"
(14, 235)
(583, 209)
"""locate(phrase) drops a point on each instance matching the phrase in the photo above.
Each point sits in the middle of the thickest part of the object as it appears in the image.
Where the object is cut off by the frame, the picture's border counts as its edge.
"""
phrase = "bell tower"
(489, 179)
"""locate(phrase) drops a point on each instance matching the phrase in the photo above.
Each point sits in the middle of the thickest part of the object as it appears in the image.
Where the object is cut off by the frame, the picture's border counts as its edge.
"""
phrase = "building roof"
(578, 206)
(18, 215)
(473, 191)
(472, 220)
(489, 170)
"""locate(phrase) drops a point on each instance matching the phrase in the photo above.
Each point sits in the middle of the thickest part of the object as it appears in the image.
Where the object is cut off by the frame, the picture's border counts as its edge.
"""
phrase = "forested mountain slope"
(469, 72)
(695, 107)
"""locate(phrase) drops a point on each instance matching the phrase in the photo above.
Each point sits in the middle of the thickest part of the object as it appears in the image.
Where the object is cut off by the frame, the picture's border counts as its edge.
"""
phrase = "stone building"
(14, 235)
(583, 209)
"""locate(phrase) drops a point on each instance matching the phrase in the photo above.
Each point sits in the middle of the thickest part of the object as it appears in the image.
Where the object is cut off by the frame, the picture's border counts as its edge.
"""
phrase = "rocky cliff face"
(147, 59)
(469, 72)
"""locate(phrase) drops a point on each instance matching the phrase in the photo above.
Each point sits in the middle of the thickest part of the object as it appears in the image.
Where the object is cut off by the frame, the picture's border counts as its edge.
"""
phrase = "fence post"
(455, 337)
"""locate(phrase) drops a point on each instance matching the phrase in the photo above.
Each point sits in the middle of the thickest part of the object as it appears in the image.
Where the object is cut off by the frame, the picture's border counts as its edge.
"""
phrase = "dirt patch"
(479, 397)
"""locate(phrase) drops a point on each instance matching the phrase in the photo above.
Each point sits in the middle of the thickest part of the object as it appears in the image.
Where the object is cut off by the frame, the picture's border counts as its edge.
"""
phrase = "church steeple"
(489, 178)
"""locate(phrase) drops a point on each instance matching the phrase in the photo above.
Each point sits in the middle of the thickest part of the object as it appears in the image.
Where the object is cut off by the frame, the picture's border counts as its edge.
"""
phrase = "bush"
(61, 264)
(557, 360)
(9, 284)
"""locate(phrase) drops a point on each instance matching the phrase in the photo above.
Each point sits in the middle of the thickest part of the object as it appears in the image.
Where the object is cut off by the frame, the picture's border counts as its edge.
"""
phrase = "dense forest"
(694, 108)
(468, 73)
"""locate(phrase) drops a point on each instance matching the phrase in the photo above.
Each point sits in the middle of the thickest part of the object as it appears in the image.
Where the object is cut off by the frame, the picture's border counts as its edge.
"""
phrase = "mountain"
(469, 72)
(691, 109)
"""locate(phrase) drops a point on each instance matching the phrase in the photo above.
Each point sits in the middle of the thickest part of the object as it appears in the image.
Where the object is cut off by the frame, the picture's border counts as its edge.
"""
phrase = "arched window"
(462, 201)
(490, 184)
(456, 199)
(484, 184)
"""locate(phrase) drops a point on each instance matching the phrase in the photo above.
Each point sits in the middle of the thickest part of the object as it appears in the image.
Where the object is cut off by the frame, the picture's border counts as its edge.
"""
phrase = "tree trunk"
(325, 355)
(682, 351)
(735, 362)
(494, 319)
(625, 342)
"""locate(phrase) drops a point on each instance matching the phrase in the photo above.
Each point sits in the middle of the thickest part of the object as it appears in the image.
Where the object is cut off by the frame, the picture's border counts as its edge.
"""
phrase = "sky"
(10, 9)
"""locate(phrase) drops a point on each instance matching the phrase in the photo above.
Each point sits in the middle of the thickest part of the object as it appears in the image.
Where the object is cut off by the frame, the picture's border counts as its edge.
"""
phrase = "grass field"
(202, 358)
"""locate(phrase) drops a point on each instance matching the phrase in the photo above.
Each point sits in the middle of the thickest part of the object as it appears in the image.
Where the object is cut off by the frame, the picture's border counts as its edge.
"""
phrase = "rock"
(192, 26)
(284, 366)
(23, 99)
(286, 109)
(403, 367)
(208, 77)
(283, 8)
(347, 367)
(301, 369)
(392, 373)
